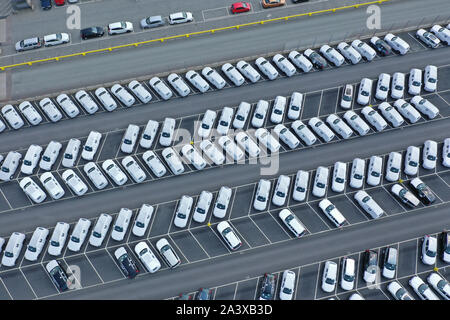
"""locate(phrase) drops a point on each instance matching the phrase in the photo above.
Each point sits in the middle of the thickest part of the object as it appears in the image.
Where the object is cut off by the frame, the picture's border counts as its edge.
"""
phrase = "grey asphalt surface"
(174, 55)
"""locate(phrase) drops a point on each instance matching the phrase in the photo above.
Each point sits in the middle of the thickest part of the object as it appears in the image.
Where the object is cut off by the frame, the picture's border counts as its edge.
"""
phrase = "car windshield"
(300, 189)
(432, 80)
(278, 111)
(395, 170)
(166, 134)
(205, 126)
(224, 123)
(27, 162)
(329, 281)
(97, 234)
(398, 87)
(240, 118)
(109, 167)
(200, 210)
(431, 158)
(68, 156)
(261, 198)
(416, 83)
(365, 199)
(349, 278)
(287, 290)
(365, 93)
(46, 158)
(280, 194)
(220, 206)
(75, 239)
(5, 169)
(230, 68)
(353, 117)
(54, 243)
(358, 176)
(127, 141)
(88, 148)
(320, 185)
(300, 127)
(347, 98)
(329, 208)
(339, 180)
(336, 121)
(32, 249)
(375, 174)
(181, 215)
(383, 88)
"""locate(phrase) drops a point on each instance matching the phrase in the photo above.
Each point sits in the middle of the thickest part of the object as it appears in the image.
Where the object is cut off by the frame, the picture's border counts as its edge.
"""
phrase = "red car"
(239, 7)
(60, 2)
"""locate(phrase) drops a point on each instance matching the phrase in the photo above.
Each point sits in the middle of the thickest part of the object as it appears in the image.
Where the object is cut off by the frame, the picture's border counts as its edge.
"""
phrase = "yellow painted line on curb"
(187, 35)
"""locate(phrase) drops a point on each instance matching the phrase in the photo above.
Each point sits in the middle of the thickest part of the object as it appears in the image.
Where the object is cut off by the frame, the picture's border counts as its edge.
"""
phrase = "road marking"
(6, 288)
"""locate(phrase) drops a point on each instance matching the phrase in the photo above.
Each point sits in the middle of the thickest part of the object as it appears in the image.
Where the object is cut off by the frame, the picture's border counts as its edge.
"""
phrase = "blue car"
(46, 4)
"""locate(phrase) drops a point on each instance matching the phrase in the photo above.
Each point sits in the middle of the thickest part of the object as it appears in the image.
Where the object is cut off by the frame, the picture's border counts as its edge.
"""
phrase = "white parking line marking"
(6, 288)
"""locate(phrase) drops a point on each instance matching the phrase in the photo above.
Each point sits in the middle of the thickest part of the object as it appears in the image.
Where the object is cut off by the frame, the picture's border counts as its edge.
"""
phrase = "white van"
(393, 167)
(364, 49)
(349, 52)
(339, 126)
(391, 114)
(374, 118)
(412, 157)
(415, 81)
(425, 107)
(384, 80)
(355, 121)
(430, 78)
(295, 106)
(332, 212)
(365, 88)
(407, 110)
(397, 43)
(300, 61)
(398, 85)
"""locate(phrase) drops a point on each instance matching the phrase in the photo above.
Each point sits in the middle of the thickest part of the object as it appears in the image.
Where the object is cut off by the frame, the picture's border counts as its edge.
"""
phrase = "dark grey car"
(152, 22)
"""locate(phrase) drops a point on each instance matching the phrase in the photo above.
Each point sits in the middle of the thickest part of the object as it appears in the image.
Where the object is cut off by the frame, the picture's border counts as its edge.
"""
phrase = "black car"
(126, 263)
(46, 4)
(204, 294)
(268, 287)
(58, 275)
(92, 32)
(423, 191)
(381, 47)
(317, 60)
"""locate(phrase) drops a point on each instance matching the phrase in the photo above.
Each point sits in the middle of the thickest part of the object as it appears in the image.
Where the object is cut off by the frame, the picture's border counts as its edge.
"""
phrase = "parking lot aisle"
(225, 292)
(4, 292)
(306, 286)
(245, 290)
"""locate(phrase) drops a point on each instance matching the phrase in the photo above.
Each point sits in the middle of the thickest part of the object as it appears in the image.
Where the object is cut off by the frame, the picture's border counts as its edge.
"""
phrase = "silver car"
(69, 107)
(30, 113)
(152, 22)
(133, 169)
(86, 101)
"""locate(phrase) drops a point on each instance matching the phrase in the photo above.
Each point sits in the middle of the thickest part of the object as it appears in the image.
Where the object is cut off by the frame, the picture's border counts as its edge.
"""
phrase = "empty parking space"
(17, 285)
(225, 292)
(105, 265)
(190, 247)
(311, 105)
(39, 280)
(246, 290)
(329, 101)
(307, 279)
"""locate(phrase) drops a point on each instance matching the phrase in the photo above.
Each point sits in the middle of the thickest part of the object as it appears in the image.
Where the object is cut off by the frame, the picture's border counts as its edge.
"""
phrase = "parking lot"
(309, 278)
(199, 242)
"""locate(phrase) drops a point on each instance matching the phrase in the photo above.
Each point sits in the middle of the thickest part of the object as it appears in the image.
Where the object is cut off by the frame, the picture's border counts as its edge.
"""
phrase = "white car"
(303, 132)
(339, 126)
(407, 110)
(67, 104)
(245, 142)
(364, 49)
(71, 153)
(412, 158)
(356, 296)
(129, 138)
(339, 177)
(429, 250)
(173, 161)
(349, 52)
(347, 97)
(374, 118)
(167, 132)
(329, 276)
(180, 17)
(428, 38)
(368, 204)
(348, 274)
(439, 284)
(160, 87)
(224, 122)
(228, 235)
(267, 140)
(79, 234)
(393, 166)
(147, 257)
(183, 211)
(442, 33)
(106, 99)
(133, 169)
(398, 85)
(233, 74)
(153, 162)
(332, 55)
(295, 105)
(204, 129)
(222, 202)
(91, 145)
(430, 78)
(50, 155)
(279, 105)
(120, 27)
(415, 81)
(262, 195)
(202, 207)
(281, 190)
(197, 81)
(383, 83)
(56, 39)
(123, 95)
(142, 220)
(58, 238)
(214, 77)
(121, 224)
(100, 230)
(231, 149)
(284, 65)
(320, 182)
(291, 221)
(300, 185)
(398, 292)
(287, 285)
(178, 84)
(365, 88)
(30, 113)
(31, 159)
(425, 107)
(390, 261)
(397, 43)
(9, 165)
(248, 71)
(12, 249)
(260, 113)
(429, 154)
(52, 185)
(149, 134)
(356, 122)
(32, 190)
(114, 172)
(212, 152)
(422, 289)
(138, 89)
(357, 173)
(74, 182)
(300, 61)
(241, 115)
(391, 114)
(266, 68)
(446, 153)
(87, 102)
(50, 110)
(405, 196)
(36, 244)
(193, 156)
(332, 212)
(95, 175)
(12, 117)
(321, 129)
